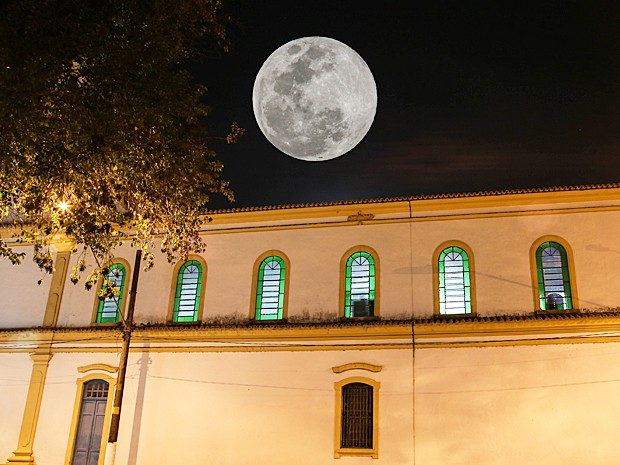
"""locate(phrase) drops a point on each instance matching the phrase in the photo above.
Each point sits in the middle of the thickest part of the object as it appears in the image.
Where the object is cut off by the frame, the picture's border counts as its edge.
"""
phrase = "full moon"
(314, 98)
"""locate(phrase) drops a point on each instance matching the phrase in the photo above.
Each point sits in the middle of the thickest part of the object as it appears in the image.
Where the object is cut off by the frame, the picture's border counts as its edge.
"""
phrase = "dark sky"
(471, 96)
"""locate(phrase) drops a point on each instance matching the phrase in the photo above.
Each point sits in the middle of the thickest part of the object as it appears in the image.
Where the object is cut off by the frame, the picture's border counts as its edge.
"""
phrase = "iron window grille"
(357, 416)
(96, 389)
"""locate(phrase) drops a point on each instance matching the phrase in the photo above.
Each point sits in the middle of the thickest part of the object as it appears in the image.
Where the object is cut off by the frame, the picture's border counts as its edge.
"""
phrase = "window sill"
(359, 318)
(269, 322)
(557, 312)
(455, 316)
(346, 452)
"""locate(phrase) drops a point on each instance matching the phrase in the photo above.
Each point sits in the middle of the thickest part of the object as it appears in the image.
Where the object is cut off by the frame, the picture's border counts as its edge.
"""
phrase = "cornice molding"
(506, 330)
(457, 195)
(544, 201)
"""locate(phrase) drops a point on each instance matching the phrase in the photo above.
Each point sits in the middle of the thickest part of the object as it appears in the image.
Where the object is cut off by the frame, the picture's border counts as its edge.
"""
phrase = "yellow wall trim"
(24, 451)
(422, 208)
(98, 367)
(357, 366)
(315, 337)
(56, 288)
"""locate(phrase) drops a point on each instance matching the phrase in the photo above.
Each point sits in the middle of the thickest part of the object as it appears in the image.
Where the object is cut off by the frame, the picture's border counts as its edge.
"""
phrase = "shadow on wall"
(584, 304)
(143, 368)
(601, 248)
(425, 269)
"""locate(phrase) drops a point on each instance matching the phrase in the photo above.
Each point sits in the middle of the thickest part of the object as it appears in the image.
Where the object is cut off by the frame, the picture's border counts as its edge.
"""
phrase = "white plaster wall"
(15, 370)
(154, 287)
(544, 404)
(152, 301)
(76, 308)
(254, 407)
(315, 255)
(501, 249)
(52, 438)
(23, 301)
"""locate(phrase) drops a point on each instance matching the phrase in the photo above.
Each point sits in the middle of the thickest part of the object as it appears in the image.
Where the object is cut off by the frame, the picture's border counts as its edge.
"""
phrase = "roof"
(584, 187)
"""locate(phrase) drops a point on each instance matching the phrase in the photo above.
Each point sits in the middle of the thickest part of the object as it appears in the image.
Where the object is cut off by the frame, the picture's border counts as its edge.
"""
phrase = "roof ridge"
(454, 195)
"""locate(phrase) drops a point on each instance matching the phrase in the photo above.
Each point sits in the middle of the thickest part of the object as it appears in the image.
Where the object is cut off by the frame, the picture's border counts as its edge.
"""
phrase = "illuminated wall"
(514, 385)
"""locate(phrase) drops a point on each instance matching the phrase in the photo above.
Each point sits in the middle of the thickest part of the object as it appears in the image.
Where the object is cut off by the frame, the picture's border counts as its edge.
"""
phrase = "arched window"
(109, 309)
(554, 286)
(359, 285)
(88, 438)
(188, 290)
(270, 288)
(454, 281)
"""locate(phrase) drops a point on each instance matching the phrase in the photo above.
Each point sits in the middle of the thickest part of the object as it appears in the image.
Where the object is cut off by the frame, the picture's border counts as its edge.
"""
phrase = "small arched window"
(357, 416)
(554, 289)
(357, 405)
(454, 281)
(109, 309)
(360, 284)
(270, 286)
(187, 295)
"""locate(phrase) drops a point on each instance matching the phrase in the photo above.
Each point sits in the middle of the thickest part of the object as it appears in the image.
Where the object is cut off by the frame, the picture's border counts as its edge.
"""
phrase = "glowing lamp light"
(63, 206)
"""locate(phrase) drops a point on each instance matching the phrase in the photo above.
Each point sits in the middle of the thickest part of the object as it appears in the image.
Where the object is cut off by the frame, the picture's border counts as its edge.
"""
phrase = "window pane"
(454, 282)
(109, 308)
(359, 285)
(553, 278)
(270, 289)
(187, 299)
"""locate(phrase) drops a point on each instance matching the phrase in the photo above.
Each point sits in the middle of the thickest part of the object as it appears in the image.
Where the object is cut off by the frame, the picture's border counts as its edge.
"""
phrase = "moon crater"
(314, 98)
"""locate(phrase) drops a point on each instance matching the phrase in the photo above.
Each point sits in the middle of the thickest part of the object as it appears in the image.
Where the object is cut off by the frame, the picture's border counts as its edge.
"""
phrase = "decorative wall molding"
(98, 367)
(357, 366)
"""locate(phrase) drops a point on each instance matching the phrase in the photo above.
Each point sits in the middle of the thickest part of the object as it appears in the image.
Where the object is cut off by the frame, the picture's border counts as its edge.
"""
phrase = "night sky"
(472, 96)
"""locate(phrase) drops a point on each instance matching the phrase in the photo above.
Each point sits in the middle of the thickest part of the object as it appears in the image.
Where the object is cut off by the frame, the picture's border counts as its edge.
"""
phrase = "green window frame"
(270, 289)
(454, 281)
(108, 310)
(187, 295)
(554, 290)
(360, 285)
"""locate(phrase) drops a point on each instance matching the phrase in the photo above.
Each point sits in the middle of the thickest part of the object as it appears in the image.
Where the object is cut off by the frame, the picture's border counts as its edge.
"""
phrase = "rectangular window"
(356, 416)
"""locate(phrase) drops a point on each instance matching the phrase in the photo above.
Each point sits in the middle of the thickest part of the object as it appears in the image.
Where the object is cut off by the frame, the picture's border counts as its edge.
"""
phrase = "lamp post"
(122, 369)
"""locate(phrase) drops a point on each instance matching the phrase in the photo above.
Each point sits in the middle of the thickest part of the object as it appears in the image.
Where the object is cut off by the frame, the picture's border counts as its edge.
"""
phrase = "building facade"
(463, 329)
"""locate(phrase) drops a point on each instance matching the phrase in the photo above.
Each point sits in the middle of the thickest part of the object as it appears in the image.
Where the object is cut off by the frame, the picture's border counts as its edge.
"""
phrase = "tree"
(102, 124)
